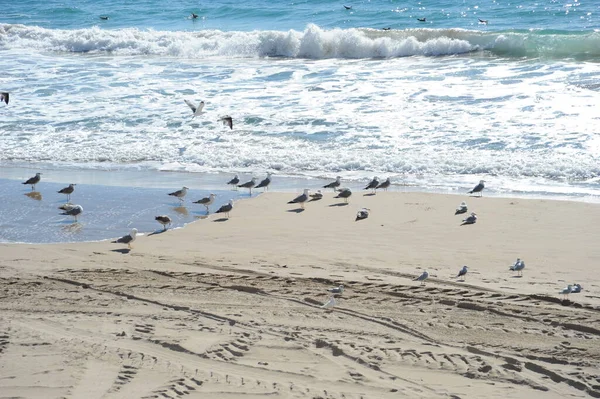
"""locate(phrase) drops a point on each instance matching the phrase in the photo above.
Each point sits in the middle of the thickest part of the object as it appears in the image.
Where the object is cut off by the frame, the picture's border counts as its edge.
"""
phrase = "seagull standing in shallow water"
(249, 184)
(373, 185)
(424, 276)
(234, 182)
(34, 180)
(206, 201)
(74, 211)
(67, 190)
(264, 184)
(335, 184)
(337, 290)
(180, 193)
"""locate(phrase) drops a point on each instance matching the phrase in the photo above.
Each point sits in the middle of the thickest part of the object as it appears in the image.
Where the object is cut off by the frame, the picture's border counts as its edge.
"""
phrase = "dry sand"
(230, 309)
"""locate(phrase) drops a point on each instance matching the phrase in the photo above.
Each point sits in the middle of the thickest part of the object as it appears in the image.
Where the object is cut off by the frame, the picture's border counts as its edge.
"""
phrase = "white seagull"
(385, 184)
(234, 182)
(330, 304)
(462, 208)
(34, 180)
(424, 276)
(576, 288)
(337, 290)
(518, 267)
(249, 184)
(362, 214)
(463, 272)
(566, 291)
(74, 211)
(196, 110)
(335, 184)
(264, 184)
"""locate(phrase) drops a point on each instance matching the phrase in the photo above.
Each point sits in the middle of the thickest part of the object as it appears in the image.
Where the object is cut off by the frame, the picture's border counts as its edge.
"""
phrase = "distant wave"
(313, 43)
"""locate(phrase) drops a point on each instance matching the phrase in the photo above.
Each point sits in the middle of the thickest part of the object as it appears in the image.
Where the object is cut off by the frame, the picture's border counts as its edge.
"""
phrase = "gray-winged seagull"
(68, 191)
(227, 121)
(462, 208)
(344, 193)
(362, 214)
(74, 211)
(316, 196)
(249, 184)
(424, 276)
(471, 219)
(337, 290)
(226, 208)
(385, 184)
(264, 184)
(335, 184)
(128, 239)
(478, 188)
(518, 267)
(180, 193)
(463, 272)
(301, 199)
(34, 180)
(164, 220)
(206, 201)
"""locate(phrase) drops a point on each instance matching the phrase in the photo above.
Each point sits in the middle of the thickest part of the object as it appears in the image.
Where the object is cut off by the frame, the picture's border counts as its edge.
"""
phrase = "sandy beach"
(231, 308)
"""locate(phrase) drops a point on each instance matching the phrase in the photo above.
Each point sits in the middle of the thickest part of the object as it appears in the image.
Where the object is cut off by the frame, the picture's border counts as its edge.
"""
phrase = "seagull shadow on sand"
(158, 232)
(221, 220)
(369, 194)
(340, 204)
(297, 210)
(517, 277)
(123, 251)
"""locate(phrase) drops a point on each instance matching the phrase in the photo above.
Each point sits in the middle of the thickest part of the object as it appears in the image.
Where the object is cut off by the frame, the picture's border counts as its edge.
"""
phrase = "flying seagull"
(206, 201)
(164, 220)
(34, 180)
(566, 291)
(226, 208)
(330, 304)
(424, 276)
(316, 196)
(265, 183)
(483, 21)
(470, 220)
(463, 272)
(67, 190)
(337, 290)
(74, 211)
(301, 199)
(227, 121)
(348, 7)
(362, 214)
(180, 193)
(335, 184)
(422, 19)
(462, 208)
(128, 239)
(384, 184)
(104, 17)
(344, 193)
(249, 184)
(196, 110)
(234, 182)
(518, 267)
(4, 97)
(478, 188)
(194, 15)
(373, 185)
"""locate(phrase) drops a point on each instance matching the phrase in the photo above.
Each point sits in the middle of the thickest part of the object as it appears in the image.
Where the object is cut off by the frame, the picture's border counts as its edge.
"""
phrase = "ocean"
(315, 90)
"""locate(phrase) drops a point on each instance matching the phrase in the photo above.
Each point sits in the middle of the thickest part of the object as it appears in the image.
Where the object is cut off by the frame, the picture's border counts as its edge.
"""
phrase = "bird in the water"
(206, 201)
(180, 193)
(462, 208)
(128, 239)
(316, 196)
(337, 290)
(344, 193)
(68, 191)
(422, 19)
(264, 184)
(164, 220)
(4, 97)
(463, 272)
(194, 16)
(234, 182)
(104, 17)
(384, 185)
(386, 28)
(470, 220)
(197, 110)
(226, 208)
(335, 184)
(34, 180)
(227, 121)
(424, 276)
(301, 199)
(348, 7)
(566, 291)
(478, 188)
(518, 267)
(74, 211)
(483, 21)
(373, 185)
(249, 184)
(66, 207)
(362, 214)
(330, 304)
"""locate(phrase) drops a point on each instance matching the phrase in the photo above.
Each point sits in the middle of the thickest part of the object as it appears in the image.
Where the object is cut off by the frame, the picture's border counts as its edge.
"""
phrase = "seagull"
(234, 182)
(66, 207)
(164, 220)
(344, 193)
(104, 17)
(463, 272)
(470, 220)
(422, 19)
(194, 16)
(196, 110)
(424, 276)
(362, 214)
(462, 208)
(337, 290)
(483, 21)
(566, 291)
(576, 288)
(74, 211)
(334, 184)
(518, 267)
(249, 184)
(68, 190)
(301, 199)
(227, 121)
(329, 304)
(373, 185)
(34, 180)
(384, 184)
(478, 188)
(128, 239)
(180, 193)
(226, 208)
(265, 183)
(316, 196)
(4, 97)
(206, 201)
(348, 7)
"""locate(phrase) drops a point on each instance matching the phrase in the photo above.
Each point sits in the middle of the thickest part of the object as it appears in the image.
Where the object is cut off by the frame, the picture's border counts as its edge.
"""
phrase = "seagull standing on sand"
(206, 201)
(249, 184)
(34, 180)
(4, 97)
(337, 290)
(74, 211)
(335, 184)
(362, 214)
(316, 196)
(301, 199)
(227, 121)
(344, 193)
(164, 220)
(265, 183)
(226, 208)
(462, 208)
(470, 220)
(196, 110)
(518, 267)
(478, 188)
(330, 304)
(68, 190)
(576, 289)
(373, 185)
(424, 276)
(384, 184)
(234, 182)
(128, 239)
(566, 291)
(180, 193)
(463, 272)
